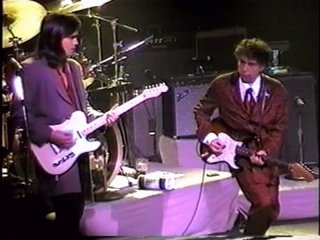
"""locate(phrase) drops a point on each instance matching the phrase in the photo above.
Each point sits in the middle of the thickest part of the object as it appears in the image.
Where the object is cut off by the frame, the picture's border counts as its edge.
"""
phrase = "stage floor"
(192, 209)
(179, 212)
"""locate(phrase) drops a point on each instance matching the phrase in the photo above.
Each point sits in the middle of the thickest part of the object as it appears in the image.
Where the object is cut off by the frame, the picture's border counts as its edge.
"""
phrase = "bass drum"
(107, 160)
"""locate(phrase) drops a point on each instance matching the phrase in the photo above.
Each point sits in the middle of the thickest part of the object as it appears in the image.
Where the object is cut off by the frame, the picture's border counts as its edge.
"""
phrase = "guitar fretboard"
(99, 122)
(243, 151)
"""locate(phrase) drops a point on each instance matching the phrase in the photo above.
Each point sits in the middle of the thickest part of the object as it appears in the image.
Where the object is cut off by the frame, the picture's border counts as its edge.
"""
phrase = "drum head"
(112, 142)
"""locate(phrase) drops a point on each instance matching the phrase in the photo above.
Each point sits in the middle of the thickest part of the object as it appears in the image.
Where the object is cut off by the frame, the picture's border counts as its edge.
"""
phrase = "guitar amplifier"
(178, 104)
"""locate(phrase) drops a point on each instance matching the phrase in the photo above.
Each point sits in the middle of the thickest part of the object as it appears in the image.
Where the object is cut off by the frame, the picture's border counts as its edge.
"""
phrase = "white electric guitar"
(55, 160)
(233, 148)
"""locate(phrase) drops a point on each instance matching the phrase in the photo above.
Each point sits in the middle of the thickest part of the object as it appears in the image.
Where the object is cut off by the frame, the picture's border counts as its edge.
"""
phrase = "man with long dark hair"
(253, 108)
(53, 91)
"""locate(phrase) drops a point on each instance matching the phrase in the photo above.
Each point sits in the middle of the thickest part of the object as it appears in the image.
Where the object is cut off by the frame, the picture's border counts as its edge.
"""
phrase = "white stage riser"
(298, 199)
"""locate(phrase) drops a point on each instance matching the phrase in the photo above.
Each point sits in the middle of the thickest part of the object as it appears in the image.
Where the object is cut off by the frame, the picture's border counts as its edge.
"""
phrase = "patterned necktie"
(249, 101)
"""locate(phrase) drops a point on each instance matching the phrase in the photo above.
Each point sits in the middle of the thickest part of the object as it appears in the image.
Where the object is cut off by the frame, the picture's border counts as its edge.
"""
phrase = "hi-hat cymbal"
(23, 18)
(81, 5)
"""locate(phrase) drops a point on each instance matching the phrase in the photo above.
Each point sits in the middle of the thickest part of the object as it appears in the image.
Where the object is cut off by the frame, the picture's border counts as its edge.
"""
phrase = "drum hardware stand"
(24, 147)
(6, 155)
(101, 194)
(24, 133)
(15, 43)
(114, 24)
(97, 25)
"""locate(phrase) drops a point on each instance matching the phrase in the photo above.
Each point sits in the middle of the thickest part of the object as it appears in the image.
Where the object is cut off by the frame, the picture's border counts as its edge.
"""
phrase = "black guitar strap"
(264, 94)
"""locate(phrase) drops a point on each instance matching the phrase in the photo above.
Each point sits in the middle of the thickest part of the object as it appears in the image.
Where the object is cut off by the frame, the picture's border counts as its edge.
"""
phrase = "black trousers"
(68, 209)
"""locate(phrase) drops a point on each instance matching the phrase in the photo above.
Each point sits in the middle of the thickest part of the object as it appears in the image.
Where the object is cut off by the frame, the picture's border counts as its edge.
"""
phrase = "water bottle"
(156, 183)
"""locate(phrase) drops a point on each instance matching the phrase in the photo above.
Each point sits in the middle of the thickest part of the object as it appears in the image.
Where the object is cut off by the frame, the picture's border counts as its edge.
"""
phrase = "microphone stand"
(299, 105)
(300, 135)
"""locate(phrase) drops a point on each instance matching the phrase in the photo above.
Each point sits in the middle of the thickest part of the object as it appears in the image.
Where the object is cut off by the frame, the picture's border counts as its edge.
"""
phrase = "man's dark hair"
(254, 48)
(54, 28)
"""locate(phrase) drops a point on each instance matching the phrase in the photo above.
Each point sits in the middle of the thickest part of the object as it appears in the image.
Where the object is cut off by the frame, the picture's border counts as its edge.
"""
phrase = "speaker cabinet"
(302, 141)
(217, 47)
(178, 103)
(147, 128)
(155, 66)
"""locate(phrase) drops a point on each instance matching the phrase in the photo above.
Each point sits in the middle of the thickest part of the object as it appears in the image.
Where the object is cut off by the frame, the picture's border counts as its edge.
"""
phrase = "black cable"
(198, 200)
(130, 184)
(124, 136)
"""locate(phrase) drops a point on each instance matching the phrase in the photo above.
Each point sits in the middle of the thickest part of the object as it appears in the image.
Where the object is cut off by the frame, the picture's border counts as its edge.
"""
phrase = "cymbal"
(81, 5)
(23, 18)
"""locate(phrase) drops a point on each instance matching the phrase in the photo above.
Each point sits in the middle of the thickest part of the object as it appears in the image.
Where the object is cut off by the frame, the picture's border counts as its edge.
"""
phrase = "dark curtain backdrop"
(275, 20)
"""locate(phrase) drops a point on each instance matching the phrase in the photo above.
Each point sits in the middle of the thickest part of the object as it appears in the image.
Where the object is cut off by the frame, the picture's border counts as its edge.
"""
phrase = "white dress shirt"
(243, 88)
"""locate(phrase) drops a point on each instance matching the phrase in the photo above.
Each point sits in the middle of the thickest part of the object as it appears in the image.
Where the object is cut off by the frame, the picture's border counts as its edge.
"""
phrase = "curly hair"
(254, 48)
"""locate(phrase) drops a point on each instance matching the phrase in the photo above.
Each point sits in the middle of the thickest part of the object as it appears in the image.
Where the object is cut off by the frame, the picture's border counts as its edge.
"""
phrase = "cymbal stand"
(15, 43)
(97, 25)
(24, 134)
(114, 24)
(115, 49)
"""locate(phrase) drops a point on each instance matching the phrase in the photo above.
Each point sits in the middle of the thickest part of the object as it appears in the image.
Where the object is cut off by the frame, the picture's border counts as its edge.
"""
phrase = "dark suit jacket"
(268, 120)
(46, 98)
(48, 103)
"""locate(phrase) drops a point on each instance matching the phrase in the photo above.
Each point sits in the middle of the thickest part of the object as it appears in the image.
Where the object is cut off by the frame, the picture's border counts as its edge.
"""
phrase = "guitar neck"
(99, 122)
(298, 170)
(243, 151)
(279, 163)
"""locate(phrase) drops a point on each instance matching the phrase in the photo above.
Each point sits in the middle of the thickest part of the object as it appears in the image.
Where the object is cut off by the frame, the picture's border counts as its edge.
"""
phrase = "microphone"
(299, 101)
(16, 63)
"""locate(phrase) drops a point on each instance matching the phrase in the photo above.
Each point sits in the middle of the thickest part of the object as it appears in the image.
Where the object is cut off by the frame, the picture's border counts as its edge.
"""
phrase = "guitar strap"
(262, 103)
(263, 95)
(76, 86)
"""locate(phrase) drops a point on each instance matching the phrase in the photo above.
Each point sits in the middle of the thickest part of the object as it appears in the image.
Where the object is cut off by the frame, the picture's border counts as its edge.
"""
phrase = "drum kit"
(21, 24)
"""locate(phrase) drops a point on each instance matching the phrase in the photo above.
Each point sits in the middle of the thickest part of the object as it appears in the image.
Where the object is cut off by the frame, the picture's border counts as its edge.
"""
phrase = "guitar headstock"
(299, 170)
(154, 90)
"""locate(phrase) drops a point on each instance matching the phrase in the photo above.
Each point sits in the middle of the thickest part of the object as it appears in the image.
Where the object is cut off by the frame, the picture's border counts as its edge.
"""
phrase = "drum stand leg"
(105, 195)
(108, 196)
